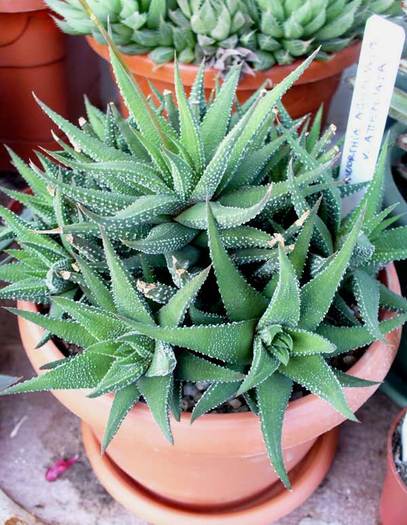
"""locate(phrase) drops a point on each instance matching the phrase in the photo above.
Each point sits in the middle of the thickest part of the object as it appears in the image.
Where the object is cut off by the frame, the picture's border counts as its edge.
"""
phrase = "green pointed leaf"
(85, 370)
(101, 324)
(30, 176)
(350, 338)
(252, 165)
(284, 307)
(367, 295)
(189, 130)
(122, 373)
(155, 13)
(216, 121)
(321, 234)
(126, 297)
(372, 199)
(98, 292)
(239, 237)
(68, 331)
(345, 314)
(173, 313)
(251, 400)
(308, 343)
(313, 373)
(272, 397)
(262, 367)
(157, 292)
(29, 260)
(240, 299)
(376, 225)
(392, 300)
(228, 342)
(131, 138)
(197, 99)
(164, 238)
(120, 175)
(36, 204)
(200, 317)
(147, 121)
(16, 271)
(298, 256)
(163, 361)
(390, 246)
(315, 130)
(261, 112)
(220, 168)
(227, 216)
(176, 400)
(24, 234)
(156, 392)
(183, 176)
(144, 210)
(30, 289)
(346, 380)
(317, 294)
(96, 118)
(81, 140)
(124, 400)
(102, 202)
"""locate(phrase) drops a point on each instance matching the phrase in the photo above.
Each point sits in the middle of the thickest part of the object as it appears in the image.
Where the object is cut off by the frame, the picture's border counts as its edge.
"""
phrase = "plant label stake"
(375, 78)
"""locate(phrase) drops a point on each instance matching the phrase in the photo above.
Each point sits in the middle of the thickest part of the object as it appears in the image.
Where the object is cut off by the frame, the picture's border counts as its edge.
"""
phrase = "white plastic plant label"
(375, 78)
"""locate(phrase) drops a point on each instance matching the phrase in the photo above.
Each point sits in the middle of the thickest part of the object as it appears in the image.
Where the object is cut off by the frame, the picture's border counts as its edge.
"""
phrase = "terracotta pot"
(33, 58)
(221, 458)
(393, 503)
(271, 505)
(316, 86)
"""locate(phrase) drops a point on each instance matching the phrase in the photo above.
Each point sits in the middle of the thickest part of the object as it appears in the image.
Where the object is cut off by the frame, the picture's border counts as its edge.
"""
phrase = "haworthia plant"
(200, 241)
(254, 33)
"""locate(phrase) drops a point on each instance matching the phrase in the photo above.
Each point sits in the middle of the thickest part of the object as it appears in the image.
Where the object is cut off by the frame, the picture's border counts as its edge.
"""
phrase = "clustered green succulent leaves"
(190, 242)
(255, 33)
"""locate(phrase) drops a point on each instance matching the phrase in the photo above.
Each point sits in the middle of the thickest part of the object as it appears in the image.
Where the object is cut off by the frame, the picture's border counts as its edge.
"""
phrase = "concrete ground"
(35, 430)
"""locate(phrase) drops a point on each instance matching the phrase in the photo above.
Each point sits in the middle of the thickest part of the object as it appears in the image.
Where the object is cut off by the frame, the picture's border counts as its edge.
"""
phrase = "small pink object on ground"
(59, 467)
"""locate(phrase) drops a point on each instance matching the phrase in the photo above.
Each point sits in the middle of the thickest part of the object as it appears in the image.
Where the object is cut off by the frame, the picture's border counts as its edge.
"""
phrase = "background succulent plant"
(290, 29)
(254, 33)
(191, 243)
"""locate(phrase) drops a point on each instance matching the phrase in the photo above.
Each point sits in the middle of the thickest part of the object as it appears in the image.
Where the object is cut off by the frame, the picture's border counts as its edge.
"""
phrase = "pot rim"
(311, 402)
(142, 65)
(21, 6)
(390, 457)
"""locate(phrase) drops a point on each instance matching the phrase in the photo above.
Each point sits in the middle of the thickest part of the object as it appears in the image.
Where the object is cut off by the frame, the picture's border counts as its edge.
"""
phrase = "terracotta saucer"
(271, 506)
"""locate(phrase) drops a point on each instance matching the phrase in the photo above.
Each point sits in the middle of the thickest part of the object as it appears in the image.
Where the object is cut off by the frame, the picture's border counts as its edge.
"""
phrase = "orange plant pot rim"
(21, 6)
(142, 65)
(272, 505)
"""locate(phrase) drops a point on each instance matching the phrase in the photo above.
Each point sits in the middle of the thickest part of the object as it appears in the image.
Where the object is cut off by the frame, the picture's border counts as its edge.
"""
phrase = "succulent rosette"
(255, 33)
(193, 243)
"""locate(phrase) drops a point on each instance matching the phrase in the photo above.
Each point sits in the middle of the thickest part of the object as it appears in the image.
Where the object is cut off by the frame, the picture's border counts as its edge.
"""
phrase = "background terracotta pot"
(34, 57)
(316, 86)
(393, 504)
(221, 458)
